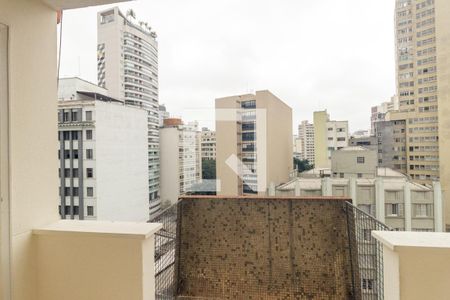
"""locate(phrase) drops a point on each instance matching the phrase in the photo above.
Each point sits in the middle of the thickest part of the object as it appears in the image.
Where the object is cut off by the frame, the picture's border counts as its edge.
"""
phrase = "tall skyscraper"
(306, 136)
(254, 143)
(127, 54)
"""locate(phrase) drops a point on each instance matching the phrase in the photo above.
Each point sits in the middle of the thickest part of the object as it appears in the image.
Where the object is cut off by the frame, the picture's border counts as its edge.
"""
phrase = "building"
(391, 141)
(329, 136)
(370, 142)
(306, 137)
(181, 164)
(127, 53)
(378, 113)
(354, 162)
(254, 143)
(297, 147)
(208, 144)
(163, 114)
(388, 195)
(422, 68)
(102, 155)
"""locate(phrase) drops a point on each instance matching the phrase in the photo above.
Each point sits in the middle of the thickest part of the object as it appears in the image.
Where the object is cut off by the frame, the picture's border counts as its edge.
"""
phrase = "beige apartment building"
(422, 31)
(254, 143)
(329, 136)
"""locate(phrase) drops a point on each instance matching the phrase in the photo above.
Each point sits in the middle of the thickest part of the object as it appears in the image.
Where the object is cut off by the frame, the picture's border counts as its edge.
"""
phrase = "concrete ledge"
(396, 239)
(129, 230)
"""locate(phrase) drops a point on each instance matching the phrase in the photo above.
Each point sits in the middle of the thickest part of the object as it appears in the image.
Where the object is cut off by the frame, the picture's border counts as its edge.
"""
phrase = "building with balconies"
(127, 54)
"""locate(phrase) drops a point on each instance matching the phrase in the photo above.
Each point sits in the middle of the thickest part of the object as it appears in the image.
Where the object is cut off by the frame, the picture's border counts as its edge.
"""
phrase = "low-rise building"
(102, 154)
(390, 196)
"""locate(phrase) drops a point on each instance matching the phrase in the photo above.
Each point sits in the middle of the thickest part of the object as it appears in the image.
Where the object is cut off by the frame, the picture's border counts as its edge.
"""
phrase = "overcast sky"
(313, 54)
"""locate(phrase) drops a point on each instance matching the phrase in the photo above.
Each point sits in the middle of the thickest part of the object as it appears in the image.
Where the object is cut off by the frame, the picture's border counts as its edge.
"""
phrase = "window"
(360, 175)
(89, 172)
(90, 191)
(394, 210)
(89, 134)
(66, 116)
(341, 175)
(90, 210)
(360, 159)
(423, 210)
(75, 172)
(367, 284)
(89, 115)
(341, 139)
(67, 191)
(75, 210)
(66, 154)
(89, 154)
(75, 191)
(74, 135)
(66, 135)
(66, 172)
(75, 154)
(74, 116)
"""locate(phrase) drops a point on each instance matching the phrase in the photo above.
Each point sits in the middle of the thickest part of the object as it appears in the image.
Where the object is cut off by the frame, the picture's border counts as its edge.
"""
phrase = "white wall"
(121, 163)
(169, 157)
(33, 131)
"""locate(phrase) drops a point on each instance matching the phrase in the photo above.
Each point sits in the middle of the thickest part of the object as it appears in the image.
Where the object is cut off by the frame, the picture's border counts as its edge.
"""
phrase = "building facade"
(181, 163)
(422, 69)
(306, 137)
(208, 144)
(378, 113)
(254, 143)
(127, 54)
(329, 136)
(102, 155)
(388, 195)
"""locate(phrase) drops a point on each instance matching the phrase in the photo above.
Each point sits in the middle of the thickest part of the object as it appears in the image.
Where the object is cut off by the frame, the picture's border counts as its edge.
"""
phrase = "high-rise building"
(103, 155)
(254, 143)
(391, 144)
(306, 136)
(181, 163)
(127, 53)
(329, 136)
(208, 145)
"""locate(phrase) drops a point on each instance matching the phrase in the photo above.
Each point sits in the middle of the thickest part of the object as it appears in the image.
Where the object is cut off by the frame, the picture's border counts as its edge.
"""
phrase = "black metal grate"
(365, 251)
(369, 270)
(165, 241)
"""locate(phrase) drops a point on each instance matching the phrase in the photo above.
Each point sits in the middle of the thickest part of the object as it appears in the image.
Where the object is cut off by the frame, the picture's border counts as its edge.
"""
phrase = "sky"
(312, 54)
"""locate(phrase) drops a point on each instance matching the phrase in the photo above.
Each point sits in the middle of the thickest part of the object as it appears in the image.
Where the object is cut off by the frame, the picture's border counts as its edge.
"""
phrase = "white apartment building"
(127, 53)
(102, 154)
(181, 163)
(306, 137)
(208, 144)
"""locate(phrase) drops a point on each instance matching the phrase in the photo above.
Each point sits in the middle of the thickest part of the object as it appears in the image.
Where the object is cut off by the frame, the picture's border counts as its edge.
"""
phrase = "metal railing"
(368, 273)
(165, 242)
(365, 253)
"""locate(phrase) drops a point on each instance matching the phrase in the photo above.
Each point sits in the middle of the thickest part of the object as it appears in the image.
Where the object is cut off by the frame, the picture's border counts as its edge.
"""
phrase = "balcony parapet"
(95, 260)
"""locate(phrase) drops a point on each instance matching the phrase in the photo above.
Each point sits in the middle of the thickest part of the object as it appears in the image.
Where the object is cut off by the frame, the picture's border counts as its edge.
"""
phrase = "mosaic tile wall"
(263, 249)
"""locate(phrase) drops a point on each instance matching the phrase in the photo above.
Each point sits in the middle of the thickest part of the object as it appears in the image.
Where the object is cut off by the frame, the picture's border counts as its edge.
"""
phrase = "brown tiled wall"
(262, 249)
